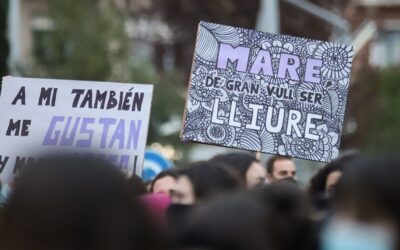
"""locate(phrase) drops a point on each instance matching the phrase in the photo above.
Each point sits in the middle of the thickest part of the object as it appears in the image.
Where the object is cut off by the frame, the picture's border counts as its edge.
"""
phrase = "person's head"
(287, 219)
(156, 205)
(325, 180)
(367, 206)
(234, 221)
(75, 203)
(163, 182)
(247, 166)
(137, 185)
(280, 167)
(201, 180)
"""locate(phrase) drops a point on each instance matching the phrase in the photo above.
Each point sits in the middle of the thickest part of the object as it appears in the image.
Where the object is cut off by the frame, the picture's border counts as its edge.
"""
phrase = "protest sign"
(272, 93)
(41, 116)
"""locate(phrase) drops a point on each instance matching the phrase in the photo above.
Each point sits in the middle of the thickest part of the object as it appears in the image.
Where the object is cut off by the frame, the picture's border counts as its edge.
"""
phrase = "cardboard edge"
(188, 85)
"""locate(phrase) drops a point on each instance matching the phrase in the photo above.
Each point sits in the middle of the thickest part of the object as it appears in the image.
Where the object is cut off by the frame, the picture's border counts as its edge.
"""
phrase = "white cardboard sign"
(41, 116)
(265, 92)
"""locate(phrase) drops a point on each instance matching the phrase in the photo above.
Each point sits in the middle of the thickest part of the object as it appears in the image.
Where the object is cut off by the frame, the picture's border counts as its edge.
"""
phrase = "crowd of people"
(230, 202)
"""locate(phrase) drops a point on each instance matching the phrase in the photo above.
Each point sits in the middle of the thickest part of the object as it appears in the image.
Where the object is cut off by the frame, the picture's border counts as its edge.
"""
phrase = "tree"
(183, 16)
(361, 108)
(88, 42)
(384, 131)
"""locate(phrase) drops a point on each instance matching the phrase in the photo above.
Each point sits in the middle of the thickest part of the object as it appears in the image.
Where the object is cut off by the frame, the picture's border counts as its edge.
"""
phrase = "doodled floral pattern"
(311, 149)
(337, 59)
(335, 73)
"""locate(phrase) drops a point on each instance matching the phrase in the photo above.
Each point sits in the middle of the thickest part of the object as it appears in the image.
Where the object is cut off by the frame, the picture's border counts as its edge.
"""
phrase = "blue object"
(154, 163)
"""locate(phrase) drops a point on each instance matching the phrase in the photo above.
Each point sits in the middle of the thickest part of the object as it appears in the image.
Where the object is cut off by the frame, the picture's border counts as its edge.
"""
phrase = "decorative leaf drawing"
(210, 38)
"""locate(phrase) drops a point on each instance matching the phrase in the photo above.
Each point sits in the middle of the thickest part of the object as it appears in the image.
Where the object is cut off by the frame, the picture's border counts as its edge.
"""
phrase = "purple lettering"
(313, 70)
(84, 130)
(228, 53)
(134, 131)
(262, 64)
(124, 162)
(119, 134)
(48, 139)
(106, 122)
(289, 63)
(65, 141)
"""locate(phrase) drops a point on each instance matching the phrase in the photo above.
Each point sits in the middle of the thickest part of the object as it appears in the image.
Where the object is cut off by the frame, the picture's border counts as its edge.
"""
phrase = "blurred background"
(152, 41)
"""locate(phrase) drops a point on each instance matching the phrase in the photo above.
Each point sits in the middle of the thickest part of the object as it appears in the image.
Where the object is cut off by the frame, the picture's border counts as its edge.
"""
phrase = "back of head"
(240, 162)
(234, 222)
(209, 178)
(366, 206)
(74, 203)
(273, 217)
(137, 185)
(370, 189)
(287, 216)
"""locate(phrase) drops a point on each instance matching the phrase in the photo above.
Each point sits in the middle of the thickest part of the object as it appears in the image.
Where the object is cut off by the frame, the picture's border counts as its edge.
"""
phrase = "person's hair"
(229, 222)
(75, 203)
(273, 217)
(318, 181)
(370, 189)
(239, 162)
(209, 178)
(137, 185)
(147, 185)
(171, 172)
(288, 224)
(271, 161)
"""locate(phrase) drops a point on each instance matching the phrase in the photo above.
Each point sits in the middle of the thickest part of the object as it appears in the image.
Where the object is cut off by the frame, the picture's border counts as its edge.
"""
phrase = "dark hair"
(75, 203)
(288, 224)
(271, 161)
(230, 222)
(370, 189)
(240, 162)
(209, 178)
(318, 182)
(137, 185)
(171, 172)
(273, 217)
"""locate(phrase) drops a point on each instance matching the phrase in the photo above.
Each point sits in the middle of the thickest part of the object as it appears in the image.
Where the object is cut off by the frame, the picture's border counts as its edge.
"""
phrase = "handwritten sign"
(272, 93)
(38, 116)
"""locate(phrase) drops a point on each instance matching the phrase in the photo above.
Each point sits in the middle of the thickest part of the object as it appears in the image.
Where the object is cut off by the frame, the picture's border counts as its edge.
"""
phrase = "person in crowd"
(288, 180)
(201, 180)
(273, 217)
(137, 185)
(366, 207)
(327, 177)
(280, 167)
(323, 183)
(156, 205)
(196, 184)
(147, 185)
(247, 166)
(75, 203)
(288, 222)
(234, 222)
(164, 182)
